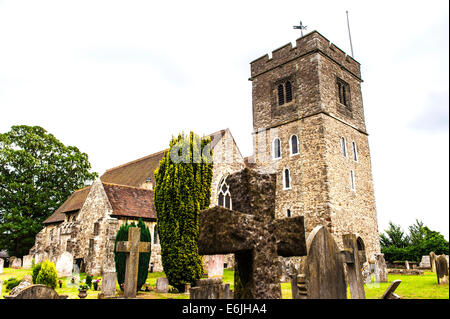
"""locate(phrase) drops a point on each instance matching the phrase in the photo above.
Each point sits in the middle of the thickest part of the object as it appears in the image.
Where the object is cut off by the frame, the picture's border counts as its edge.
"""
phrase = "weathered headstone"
(16, 263)
(389, 293)
(2, 262)
(64, 264)
(433, 261)
(26, 262)
(354, 256)
(442, 270)
(325, 274)
(251, 232)
(425, 262)
(162, 285)
(109, 280)
(26, 281)
(214, 265)
(36, 292)
(380, 268)
(211, 288)
(407, 265)
(132, 247)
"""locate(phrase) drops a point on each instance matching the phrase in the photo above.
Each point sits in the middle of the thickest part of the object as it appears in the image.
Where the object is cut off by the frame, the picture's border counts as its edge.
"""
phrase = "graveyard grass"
(412, 287)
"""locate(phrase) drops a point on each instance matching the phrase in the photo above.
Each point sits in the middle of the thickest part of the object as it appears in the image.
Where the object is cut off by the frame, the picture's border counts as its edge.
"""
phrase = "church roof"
(129, 201)
(73, 203)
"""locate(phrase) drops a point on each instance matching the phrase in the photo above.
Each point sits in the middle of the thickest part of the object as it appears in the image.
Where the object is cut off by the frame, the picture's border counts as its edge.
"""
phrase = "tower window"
(352, 180)
(286, 179)
(284, 93)
(276, 148)
(155, 235)
(294, 144)
(288, 213)
(355, 153)
(224, 198)
(344, 146)
(343, 92)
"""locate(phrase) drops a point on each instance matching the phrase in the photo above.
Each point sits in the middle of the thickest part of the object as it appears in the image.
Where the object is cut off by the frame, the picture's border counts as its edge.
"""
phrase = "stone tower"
(309, 128)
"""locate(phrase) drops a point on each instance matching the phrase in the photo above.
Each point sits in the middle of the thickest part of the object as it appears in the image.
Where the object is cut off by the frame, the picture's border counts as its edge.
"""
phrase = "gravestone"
(162, 285)
(433, 261)
(15, 263)
(380, 268)
(64, 264)
(132, 247)
(425, 262)
(211, 288)
(324, 269)
(109, 280)
(251, 232)
(354, 256)
(214, 265)
(389, 293)
(26, 281)
(442, 270)
(26, 262)
(407, 265)
(36, 292)
(2, 262)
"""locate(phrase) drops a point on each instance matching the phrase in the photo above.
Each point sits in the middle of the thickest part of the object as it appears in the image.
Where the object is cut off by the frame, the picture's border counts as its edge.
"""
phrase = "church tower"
(309, 129)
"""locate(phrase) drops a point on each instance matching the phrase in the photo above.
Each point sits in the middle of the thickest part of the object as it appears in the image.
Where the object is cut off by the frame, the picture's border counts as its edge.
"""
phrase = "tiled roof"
(129, 201)
(73, 203)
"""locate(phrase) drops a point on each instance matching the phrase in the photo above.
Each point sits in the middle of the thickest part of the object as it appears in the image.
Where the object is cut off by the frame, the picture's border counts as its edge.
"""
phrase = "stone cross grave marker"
(251, 232)
(354, 256)
(324, 269)
(442, 270)
(389, 293)
(133, 247)
(433, 261)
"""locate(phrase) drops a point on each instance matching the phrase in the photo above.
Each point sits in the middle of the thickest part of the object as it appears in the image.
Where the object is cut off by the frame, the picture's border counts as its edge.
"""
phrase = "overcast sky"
(118, 78)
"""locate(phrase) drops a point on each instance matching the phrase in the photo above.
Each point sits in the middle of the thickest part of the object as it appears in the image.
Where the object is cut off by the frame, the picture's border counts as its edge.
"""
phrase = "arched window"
(286, 179)
(355, 152)
(155, 235)
(344, 146)
(276, 148)
(280, 94)
(224, 197)
(288, 92)
(294, 144)
(288, 213)
(352, 180)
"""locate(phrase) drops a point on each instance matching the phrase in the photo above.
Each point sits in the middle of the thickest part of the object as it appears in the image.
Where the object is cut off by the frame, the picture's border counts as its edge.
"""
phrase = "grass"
(412, 287)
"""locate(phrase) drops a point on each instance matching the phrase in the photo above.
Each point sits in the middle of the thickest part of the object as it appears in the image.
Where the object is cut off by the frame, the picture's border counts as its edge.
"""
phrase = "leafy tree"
(183, 188)
(394, 237)
(120, 258)
(37, 174)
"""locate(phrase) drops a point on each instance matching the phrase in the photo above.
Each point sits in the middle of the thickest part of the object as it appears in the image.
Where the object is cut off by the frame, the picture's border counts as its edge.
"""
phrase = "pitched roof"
(135, 173)
(129, 201)
(73, 203)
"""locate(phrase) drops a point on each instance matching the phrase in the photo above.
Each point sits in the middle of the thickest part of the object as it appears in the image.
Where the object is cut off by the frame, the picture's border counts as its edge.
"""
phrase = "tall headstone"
(2, 263)
(380, 268)
(433, 261)
(109, 280)
(425, 262)
(64, 264)
(16, 263)
(442, 270)
(325, 274)
(354, 256)
(251, 232)
(26, 262)
(132, 247)
(162, 285)
(407, 264)
(214, 265)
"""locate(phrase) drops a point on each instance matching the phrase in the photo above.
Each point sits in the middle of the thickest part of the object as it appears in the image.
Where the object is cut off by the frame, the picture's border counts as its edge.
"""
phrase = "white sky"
(118, 78)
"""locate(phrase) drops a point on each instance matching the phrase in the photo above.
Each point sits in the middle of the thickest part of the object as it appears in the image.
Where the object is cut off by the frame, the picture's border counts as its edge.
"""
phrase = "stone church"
(308, 128)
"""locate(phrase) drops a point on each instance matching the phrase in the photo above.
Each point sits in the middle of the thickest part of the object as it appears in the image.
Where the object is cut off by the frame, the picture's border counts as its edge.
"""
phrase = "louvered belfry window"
(284, 93)
(280, 94)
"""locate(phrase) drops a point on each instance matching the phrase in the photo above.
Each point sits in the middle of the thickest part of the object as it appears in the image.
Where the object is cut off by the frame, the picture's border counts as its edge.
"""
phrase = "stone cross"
(325, 274)
(442, 270)
(251, 232)
(133, 247)
(354, 256)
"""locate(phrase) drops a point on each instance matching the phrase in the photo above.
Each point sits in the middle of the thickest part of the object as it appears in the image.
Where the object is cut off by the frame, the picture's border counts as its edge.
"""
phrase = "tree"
(37, 174)
(183, 188)
(120, 258)
(394, 237)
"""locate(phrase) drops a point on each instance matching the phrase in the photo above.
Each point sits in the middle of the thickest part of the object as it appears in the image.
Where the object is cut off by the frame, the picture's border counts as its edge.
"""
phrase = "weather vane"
(301, 27)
